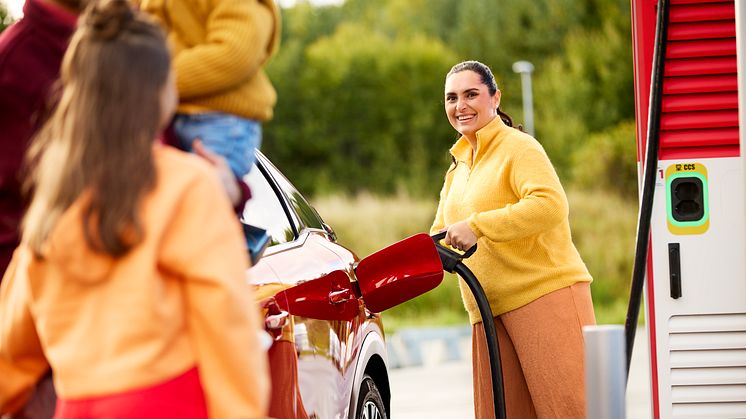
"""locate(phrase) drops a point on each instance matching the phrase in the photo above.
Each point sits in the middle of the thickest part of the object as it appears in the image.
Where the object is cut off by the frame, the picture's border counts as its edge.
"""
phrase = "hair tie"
(107, 18)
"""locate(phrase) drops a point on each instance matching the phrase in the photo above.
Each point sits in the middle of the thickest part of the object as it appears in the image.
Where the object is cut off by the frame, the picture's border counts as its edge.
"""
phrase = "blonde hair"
(98, 141)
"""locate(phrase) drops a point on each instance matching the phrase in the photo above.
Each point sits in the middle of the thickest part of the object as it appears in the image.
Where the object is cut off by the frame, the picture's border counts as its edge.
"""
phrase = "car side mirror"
(257, 241)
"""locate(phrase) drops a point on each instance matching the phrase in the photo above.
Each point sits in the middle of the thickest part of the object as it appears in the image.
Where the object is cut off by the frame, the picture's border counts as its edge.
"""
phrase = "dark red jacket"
(31, 52)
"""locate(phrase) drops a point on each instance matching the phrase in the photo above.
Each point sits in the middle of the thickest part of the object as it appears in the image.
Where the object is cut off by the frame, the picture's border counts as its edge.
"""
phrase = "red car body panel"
(314, 294)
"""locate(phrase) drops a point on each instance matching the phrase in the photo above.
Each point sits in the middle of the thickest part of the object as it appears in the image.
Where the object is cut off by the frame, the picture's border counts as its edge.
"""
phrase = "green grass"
(603, 226)
(367, 223)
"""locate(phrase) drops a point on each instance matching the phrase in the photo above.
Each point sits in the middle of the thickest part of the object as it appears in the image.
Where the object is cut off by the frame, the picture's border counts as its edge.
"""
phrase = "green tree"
(363, 115)
(360, 84)
(608, 161)
(587, 88)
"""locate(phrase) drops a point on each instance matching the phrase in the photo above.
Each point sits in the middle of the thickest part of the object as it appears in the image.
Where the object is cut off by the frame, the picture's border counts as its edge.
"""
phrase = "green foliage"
(362, 115)
(360, 84)
(603, 229)
(587, 88)
(608, 161)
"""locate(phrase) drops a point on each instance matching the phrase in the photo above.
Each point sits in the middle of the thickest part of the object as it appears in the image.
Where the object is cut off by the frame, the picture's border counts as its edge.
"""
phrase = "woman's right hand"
(460, 237)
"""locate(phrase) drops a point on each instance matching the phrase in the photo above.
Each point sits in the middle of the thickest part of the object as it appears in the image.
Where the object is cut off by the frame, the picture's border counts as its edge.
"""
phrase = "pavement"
(430, 374)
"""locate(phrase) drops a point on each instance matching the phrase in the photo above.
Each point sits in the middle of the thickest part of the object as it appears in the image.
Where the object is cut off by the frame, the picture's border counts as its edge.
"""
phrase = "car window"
(265, 209)
(305, 212)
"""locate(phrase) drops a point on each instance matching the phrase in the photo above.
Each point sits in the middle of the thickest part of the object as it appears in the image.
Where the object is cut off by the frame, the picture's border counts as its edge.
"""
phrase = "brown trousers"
(541, 352)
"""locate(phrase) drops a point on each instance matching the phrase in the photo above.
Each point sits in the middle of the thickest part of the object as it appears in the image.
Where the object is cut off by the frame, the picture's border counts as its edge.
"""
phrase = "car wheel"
(369, 403)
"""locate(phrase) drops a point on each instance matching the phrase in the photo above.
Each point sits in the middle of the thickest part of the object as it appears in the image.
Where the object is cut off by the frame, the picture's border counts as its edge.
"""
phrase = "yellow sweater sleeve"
(22, 361)
(205, 247)
(237, 35)
(439, 222)
(542, 202)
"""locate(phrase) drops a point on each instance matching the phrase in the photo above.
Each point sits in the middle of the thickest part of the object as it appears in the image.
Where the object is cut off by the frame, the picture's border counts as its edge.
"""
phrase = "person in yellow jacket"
(130, 280)
(502, 192)
(220, 48)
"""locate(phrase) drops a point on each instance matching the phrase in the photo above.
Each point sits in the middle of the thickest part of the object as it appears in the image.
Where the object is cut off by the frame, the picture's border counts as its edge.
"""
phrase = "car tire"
(370, 404)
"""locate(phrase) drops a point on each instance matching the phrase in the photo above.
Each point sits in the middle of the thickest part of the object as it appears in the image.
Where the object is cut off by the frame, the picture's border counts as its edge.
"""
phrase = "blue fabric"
(230, 136)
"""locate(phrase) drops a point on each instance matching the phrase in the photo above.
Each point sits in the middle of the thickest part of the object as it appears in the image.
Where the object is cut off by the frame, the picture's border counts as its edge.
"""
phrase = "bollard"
(605, 376)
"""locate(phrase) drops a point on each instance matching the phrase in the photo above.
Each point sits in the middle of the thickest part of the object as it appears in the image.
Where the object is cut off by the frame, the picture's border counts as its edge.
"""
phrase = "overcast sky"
(13, 6)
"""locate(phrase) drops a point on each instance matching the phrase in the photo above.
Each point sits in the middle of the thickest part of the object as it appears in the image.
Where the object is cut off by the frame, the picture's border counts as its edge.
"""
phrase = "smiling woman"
(503, 193)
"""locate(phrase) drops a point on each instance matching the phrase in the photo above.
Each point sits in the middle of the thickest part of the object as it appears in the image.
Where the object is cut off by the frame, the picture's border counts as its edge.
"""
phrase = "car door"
(299, 253)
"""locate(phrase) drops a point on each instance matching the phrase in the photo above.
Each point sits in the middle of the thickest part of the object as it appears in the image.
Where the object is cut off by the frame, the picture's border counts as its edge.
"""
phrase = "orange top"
(178, 299)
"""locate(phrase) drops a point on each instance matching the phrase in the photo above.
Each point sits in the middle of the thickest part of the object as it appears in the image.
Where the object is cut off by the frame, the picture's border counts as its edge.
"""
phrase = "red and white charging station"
(695, 295)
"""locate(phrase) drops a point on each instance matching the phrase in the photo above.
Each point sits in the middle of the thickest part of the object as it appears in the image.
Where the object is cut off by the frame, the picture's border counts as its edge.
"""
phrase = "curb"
(420, 346)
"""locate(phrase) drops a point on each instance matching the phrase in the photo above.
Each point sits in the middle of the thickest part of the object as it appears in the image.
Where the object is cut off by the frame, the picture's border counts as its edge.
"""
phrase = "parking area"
(440, 385)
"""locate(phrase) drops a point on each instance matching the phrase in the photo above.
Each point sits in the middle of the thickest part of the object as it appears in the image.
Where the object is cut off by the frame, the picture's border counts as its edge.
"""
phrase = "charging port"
(687, 199)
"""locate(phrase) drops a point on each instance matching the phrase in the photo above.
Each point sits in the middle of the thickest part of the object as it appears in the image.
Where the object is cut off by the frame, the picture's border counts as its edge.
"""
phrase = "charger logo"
(686, 167)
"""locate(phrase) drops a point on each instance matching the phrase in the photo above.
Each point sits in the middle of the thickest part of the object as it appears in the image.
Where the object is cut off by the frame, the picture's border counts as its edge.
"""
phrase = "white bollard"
(605, 376)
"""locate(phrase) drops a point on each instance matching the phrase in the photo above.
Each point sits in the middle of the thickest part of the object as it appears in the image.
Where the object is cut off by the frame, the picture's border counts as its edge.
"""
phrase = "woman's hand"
(224, 171)
(459, 236)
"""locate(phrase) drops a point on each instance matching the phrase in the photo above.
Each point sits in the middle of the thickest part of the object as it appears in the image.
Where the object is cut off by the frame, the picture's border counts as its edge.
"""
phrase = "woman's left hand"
(459, 236)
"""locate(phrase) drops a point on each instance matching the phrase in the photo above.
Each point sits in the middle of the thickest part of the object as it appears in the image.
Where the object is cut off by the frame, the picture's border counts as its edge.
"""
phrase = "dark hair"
(74, 5)
(488, 79)
(98, 142)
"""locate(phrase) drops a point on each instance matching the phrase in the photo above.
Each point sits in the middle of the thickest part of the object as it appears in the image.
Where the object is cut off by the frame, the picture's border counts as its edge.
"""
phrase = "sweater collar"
(50, 17)
(488, 135)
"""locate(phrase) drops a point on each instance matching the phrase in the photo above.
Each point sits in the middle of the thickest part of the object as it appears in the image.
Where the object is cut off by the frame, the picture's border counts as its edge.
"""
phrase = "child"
(130, 278)
(219, 49)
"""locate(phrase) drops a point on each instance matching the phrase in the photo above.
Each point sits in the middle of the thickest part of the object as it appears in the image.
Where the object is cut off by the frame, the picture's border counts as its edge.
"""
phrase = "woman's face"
(468, 103)
(169, 100)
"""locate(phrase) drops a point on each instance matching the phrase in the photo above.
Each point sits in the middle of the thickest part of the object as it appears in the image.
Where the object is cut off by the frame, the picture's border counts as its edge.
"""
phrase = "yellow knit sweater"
(514, 203)
(219, 48)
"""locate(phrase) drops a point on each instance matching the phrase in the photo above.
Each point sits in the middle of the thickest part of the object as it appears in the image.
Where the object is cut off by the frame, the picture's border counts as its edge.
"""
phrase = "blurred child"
(130, 278)
(219, 49)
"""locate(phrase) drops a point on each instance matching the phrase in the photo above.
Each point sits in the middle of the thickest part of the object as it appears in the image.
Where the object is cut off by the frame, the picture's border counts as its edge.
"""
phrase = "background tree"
(362, 114)
(360, 85)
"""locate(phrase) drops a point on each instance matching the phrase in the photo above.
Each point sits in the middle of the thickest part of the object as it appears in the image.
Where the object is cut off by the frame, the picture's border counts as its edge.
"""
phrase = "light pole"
(525, 68)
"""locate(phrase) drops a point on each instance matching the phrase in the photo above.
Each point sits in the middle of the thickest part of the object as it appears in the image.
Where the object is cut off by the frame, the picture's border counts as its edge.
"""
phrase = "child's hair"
(98, 142)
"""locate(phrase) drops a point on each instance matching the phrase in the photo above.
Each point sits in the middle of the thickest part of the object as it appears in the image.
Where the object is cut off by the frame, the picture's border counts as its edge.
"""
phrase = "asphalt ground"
(436, 382)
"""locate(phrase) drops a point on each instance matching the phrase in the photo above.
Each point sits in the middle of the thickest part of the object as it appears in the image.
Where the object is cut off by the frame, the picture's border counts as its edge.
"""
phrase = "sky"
(15, 7)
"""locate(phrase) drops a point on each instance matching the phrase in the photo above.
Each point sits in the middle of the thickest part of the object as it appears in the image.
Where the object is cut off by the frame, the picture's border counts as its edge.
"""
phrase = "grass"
(603, 226)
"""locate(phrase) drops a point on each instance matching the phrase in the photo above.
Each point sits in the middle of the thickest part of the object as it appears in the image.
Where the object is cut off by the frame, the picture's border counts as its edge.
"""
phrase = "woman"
(130, 278)
(502, 192)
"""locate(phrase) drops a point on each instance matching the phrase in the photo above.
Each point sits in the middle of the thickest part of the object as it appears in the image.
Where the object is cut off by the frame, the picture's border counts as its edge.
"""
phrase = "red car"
(328, 355)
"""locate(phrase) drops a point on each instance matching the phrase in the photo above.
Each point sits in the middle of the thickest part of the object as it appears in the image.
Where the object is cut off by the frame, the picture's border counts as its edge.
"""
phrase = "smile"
(465, 118)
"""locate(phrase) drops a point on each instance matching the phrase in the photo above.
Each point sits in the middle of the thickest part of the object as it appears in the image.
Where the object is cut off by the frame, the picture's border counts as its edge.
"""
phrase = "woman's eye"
(471, 94)
(450, 98)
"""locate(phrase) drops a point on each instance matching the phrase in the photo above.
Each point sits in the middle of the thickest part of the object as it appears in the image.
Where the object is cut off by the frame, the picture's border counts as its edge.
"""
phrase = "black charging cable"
(648, 185)
(452, 263)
